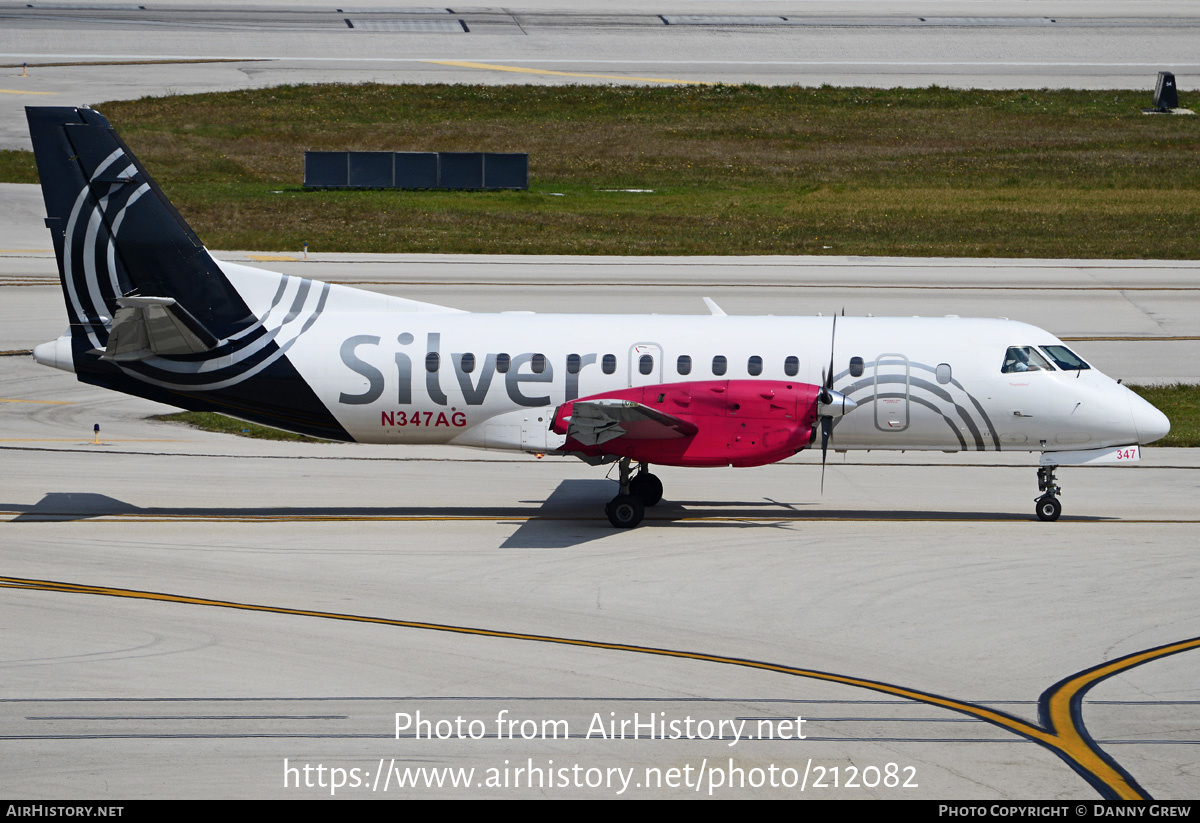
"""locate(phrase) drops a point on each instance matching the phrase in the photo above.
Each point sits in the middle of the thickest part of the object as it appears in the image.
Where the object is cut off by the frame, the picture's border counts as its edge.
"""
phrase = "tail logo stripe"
(283, 284)
(69, 274)
(89, 262)
(108, 161)
(250, 372)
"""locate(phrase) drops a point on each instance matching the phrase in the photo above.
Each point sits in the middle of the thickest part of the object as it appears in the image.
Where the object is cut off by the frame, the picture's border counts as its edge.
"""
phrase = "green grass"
(734, 169)
(1181, 404)
(17, 167)
(213, 422)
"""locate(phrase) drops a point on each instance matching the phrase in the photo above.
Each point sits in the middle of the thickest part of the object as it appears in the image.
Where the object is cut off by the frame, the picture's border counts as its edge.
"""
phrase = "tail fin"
(96, 191)
(151, 312)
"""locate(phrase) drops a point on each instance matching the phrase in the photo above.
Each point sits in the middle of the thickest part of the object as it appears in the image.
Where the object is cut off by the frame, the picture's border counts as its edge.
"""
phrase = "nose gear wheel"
(1048, 508)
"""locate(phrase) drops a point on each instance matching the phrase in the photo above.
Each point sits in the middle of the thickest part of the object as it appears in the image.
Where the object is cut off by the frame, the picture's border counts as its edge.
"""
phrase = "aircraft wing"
(597, 421)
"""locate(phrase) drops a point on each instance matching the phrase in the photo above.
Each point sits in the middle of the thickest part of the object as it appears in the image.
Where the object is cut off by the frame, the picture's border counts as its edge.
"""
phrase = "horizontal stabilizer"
(146, 326)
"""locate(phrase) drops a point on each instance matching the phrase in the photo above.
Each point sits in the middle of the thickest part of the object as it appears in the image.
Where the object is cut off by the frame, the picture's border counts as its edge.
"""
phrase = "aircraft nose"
(1150, 423)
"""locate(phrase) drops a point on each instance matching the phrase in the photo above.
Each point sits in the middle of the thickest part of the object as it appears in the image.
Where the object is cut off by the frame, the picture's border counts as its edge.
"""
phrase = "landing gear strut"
(625, 510)
(637, 492)
(1047, 506)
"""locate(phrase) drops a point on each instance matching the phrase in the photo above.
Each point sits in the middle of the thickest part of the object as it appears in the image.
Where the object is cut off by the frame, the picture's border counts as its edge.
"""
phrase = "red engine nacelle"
(735, 422)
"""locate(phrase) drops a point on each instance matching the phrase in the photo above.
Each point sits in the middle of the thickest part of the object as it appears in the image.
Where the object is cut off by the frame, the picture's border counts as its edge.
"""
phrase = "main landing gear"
(637, 492)
(1047, 506)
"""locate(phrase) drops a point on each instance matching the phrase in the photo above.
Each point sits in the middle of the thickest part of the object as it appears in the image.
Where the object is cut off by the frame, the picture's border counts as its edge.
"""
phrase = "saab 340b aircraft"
(152, 314)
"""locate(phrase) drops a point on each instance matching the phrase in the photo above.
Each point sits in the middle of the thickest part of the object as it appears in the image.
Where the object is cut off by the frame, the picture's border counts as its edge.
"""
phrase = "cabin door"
(892, 376)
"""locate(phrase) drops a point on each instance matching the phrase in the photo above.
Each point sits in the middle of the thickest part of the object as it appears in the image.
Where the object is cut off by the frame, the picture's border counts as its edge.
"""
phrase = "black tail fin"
(115, 233)
(151, 313)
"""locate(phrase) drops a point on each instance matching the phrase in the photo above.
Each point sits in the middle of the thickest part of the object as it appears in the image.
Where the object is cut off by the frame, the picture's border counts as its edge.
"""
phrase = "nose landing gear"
(1047, 506)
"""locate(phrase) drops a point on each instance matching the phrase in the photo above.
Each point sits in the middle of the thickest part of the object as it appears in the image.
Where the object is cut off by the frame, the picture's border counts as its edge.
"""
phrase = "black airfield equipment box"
(415, 170)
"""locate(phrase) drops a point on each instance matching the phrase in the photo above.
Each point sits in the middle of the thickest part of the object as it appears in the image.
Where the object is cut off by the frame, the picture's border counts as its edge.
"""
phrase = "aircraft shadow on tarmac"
(571, 514)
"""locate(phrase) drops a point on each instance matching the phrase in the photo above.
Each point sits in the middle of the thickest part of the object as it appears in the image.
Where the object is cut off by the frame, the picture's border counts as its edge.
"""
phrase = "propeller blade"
(826, 427)
(832, 339)
(826, 398)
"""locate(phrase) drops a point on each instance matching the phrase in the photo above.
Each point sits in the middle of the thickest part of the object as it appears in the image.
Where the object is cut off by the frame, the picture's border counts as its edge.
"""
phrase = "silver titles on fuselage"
(474, 383)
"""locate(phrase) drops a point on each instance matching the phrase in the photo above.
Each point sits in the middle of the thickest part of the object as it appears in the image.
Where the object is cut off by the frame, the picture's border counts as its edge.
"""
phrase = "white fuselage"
(397, 371)
(392, 370)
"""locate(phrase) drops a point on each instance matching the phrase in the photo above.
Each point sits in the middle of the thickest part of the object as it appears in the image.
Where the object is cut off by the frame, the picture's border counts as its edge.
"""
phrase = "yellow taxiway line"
(1066, 735)
(83, 442)
(1130, 339)
(173, 517)
(466, 64)
(1062, 705)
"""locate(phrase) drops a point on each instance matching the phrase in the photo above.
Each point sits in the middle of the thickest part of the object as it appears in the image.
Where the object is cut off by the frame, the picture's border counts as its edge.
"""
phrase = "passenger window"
(1065, 359)
(856, 366)
(466, 362)
(791, 366)
(432, 361)
(609, 364)
(573, 361)
(719, 365)
(943, 373)
(538, 363)
(502, 363)
(684, 364)
(754, 365)
(1022, 359)
(646, 364)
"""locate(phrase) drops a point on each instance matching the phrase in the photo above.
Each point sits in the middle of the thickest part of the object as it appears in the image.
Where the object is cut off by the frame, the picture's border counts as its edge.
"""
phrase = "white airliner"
(153, 314)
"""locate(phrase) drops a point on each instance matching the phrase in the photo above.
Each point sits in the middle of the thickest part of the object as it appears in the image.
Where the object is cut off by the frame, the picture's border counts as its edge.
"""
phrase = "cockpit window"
(1064, 358)
(1024, 358)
